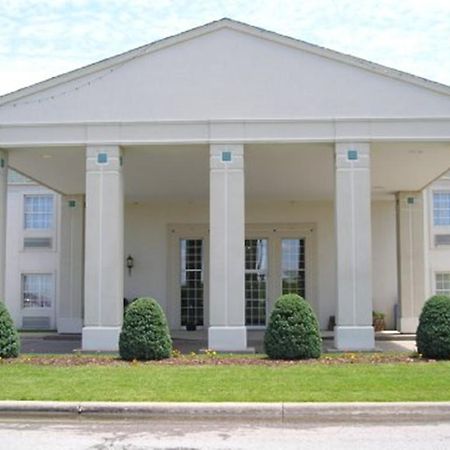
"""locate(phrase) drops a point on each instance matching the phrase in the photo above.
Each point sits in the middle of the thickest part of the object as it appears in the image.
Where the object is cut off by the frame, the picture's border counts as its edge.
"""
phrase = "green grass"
(313, 382)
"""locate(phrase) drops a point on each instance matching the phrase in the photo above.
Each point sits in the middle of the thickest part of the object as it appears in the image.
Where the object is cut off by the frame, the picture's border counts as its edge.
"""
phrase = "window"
(38, 212)
(293, 266)
(441, 208)
(255, 281)
(191, 281)
(443, 283)
(37, 290)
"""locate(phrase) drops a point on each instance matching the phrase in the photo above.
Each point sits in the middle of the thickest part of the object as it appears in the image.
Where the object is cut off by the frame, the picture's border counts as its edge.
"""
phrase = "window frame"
(51, 278)
(51, 226)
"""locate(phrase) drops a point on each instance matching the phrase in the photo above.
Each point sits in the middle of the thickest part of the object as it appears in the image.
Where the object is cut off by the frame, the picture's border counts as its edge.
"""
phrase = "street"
(37, 433)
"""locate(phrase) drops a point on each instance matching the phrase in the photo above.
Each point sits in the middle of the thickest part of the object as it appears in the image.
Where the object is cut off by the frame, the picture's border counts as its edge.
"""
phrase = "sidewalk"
(187, 342)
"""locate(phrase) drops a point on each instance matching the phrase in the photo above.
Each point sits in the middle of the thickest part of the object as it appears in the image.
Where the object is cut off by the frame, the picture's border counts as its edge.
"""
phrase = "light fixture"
(130, 264)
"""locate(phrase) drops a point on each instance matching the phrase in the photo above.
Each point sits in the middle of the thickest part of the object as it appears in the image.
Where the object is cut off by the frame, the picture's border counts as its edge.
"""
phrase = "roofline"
(208, 28)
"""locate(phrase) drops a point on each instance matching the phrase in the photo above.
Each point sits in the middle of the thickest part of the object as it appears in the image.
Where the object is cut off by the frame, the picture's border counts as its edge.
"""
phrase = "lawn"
(28, 379)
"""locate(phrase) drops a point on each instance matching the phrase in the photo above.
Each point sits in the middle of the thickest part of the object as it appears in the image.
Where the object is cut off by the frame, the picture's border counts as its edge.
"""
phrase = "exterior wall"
(28, 261)
(147, 240)
(384, 260)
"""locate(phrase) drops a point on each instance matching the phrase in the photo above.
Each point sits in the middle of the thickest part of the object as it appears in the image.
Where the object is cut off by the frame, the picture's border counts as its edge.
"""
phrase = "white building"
(186, 148)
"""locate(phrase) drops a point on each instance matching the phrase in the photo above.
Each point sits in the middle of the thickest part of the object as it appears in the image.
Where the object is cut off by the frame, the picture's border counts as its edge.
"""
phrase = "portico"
(224, 199)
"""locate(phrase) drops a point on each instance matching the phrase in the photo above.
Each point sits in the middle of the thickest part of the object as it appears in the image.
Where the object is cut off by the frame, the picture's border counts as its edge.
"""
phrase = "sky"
(43, 38)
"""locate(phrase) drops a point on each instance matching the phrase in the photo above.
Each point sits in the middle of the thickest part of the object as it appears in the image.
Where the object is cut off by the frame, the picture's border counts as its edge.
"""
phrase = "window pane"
(293, 266)
(37, 291)
(191, 255)
(255, 281)
(441, 208)
(38, 211)
(443, 283)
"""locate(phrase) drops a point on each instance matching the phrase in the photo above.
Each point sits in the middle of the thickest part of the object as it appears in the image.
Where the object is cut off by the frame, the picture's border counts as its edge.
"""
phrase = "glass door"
(191, 283)
(293, 278)
(255, 282)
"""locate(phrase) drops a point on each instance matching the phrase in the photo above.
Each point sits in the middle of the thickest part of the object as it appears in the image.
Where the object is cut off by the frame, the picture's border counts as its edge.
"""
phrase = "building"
(188, 148)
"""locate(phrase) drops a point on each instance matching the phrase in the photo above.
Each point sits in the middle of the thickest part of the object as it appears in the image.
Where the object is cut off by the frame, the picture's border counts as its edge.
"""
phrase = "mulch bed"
(216, 360)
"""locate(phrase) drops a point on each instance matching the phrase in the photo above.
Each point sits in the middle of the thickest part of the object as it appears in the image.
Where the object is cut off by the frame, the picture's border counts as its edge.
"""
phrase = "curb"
(281, 412)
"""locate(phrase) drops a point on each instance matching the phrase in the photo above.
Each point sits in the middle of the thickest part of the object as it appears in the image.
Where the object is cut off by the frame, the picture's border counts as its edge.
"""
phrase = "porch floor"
(193, 341)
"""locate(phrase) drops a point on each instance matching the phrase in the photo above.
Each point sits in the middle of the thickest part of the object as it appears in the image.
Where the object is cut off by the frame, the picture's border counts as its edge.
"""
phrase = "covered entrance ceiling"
(297, 172)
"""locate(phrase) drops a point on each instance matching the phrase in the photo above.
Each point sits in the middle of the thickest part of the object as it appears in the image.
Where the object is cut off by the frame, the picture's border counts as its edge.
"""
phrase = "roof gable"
(245, 62)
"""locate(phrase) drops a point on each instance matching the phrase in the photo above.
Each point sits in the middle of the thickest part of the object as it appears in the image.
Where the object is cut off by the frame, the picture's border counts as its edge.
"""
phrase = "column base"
(227, 339)
(354, 338)
(409, 324)
(100, 339)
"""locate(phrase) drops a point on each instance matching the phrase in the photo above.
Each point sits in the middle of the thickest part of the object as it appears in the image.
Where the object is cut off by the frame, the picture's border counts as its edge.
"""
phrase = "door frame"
(176, 232)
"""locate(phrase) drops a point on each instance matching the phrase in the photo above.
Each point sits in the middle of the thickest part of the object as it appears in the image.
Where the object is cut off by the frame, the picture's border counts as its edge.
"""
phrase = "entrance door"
(256, 266)
(293, 279)
(191, 282)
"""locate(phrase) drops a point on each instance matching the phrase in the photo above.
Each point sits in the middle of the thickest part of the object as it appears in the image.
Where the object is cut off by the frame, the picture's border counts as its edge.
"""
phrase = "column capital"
(411, 200)
(226, 156)
(104, 158)
(352, 155)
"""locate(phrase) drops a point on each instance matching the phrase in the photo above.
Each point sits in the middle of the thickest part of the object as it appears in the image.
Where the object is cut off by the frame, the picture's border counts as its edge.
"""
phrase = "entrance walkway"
(193, 341)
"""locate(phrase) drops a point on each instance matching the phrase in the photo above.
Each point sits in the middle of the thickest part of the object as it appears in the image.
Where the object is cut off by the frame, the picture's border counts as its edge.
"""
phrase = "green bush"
(293, 330)
(9, 338)
(145, 333)
(433, 332)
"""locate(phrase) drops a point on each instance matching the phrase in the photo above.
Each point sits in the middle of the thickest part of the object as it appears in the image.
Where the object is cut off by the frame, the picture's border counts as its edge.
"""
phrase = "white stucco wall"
(147, 240)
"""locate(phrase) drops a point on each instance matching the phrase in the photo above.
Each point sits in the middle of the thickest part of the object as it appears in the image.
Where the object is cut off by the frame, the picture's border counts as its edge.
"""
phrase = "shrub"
(145, 333)
(433, 332)
(293, 330)
(9, 338)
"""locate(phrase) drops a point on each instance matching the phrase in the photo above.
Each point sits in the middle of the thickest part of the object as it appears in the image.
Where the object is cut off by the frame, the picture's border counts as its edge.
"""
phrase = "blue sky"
(43, 38)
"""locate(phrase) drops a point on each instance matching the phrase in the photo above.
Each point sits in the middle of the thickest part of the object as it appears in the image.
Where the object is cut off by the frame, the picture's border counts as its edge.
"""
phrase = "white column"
(104, 257)
(3, 208)
(227, 331)
(353, 329)
(411, 258)
(71, 265)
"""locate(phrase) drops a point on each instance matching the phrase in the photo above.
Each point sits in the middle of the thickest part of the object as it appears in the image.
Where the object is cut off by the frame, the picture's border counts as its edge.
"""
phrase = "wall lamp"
(130, 264)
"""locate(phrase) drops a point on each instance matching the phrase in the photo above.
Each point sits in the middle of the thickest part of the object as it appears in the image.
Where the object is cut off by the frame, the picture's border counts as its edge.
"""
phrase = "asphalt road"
(81, 433)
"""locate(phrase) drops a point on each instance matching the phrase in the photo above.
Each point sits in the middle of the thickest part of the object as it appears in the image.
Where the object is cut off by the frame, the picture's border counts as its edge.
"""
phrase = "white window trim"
(45, 232)
(435, 273)
(45, 309)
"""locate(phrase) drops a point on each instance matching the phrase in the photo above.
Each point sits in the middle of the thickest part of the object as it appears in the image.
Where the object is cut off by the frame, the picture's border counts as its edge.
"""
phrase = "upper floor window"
(441, 208)
(38, 212)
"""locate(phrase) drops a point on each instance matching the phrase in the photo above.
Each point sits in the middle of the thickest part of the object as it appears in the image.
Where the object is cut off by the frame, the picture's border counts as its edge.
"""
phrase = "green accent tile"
(121, 160)
(226, 156)
(102, 158)
(72, 203)
(352, 155)
(2, 163)
(411, 200)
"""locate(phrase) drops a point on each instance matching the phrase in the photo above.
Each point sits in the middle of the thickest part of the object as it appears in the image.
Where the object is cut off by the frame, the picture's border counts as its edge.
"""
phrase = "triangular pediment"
(226, 70)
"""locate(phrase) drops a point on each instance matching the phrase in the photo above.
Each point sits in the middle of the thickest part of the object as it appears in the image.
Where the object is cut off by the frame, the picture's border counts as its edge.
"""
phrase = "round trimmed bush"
(293, 330)
(145, 333)
(433, 332)
(9, 338)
